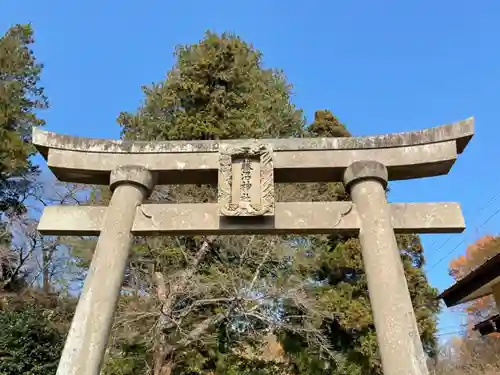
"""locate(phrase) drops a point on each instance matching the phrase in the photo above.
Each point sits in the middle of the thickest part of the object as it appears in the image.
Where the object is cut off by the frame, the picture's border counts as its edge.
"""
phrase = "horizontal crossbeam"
(289, 218)
(425, 153)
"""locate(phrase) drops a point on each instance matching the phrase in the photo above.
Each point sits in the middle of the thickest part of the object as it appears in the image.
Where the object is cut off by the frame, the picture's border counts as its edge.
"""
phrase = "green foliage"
(327, 125)
(129, 359)
(237, 365)
(218, 89)
(32, 324)
(336, 266)
(20, 98)
(30, 344)
(343, 291)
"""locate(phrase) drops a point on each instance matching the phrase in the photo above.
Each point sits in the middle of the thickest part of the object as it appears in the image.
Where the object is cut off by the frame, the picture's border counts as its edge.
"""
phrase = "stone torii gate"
(246, 171)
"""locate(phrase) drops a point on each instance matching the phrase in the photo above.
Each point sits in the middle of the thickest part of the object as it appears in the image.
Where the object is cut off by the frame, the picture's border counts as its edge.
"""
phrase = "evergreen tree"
(337, 267)
(218, 89)
(29, 343)
(20, 98)
(31, 322)
(325, 124)
(33, 327)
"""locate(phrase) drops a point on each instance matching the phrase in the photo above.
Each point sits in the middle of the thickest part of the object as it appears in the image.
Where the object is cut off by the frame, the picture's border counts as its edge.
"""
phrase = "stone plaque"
(246, 180)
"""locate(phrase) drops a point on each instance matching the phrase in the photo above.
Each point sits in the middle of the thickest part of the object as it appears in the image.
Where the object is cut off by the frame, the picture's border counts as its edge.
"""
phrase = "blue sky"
(383, 66)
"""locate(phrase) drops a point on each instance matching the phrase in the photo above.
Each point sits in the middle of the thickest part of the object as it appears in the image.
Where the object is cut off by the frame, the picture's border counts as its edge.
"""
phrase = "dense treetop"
(218, 89)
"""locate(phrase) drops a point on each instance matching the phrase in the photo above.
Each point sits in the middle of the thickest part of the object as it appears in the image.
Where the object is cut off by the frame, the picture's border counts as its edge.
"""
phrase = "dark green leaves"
(20, 98)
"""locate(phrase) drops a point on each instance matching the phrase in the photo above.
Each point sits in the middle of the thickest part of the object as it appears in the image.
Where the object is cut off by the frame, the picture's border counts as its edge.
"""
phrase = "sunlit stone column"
(495, 290)
(86, 342)
(395, 323)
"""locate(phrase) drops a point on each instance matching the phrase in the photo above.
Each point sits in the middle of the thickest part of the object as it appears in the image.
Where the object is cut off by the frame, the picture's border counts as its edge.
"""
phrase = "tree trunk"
(163, 361)
(167, 368)
(46, 273)
(162, 365)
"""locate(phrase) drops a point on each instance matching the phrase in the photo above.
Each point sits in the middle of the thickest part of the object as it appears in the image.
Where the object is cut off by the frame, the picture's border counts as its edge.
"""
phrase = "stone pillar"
(88, 336)
(495, 290)
(395, 323)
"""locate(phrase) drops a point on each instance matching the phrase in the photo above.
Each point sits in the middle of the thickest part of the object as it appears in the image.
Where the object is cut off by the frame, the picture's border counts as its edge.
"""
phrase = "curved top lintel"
(461, 132)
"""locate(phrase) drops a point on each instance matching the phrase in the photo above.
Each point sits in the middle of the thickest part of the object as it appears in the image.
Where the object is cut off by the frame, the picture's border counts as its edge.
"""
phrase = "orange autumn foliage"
(477, 254)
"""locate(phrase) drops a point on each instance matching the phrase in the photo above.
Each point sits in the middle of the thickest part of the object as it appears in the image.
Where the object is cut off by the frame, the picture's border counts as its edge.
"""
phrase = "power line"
(461, 325)
(481, 209)
(450, 333)
(461, 242)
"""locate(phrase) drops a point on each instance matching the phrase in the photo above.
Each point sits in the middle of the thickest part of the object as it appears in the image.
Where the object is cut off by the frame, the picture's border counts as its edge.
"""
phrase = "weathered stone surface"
(425, 153)
(246, 189)
(298, 166)
(366, 169)
(88, 335)
(398, 339)
(305, 218)
(461, 132)
(246, 180)
(132, 174)
(495, 290)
